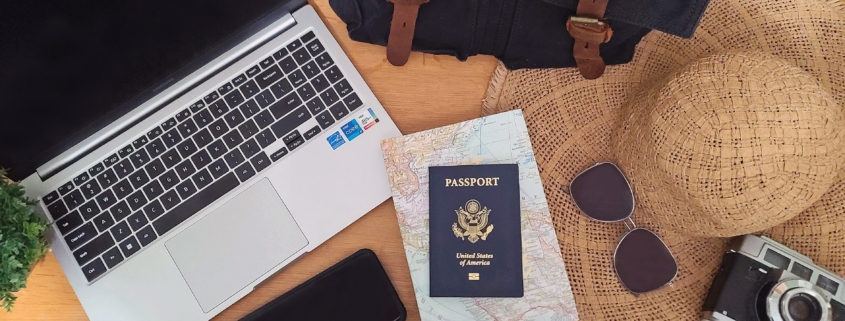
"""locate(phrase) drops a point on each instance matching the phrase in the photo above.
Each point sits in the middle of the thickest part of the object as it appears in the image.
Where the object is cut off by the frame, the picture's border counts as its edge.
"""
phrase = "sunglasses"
(642, 260)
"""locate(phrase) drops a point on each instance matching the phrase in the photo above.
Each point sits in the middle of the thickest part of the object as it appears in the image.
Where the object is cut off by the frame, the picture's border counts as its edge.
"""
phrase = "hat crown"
(730, 144)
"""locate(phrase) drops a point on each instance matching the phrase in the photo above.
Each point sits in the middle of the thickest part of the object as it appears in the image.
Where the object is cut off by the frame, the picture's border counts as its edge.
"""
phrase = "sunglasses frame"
(624, 221)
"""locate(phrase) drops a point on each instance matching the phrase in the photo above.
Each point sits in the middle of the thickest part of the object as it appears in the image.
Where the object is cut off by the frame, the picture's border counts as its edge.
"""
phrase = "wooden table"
(430, 91)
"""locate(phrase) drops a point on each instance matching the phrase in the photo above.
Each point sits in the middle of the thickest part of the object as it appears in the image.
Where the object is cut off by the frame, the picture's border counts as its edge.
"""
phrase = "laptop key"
(264, 119)
(125, 151)
(210, 98)
(89, 210)
(315, 47)
(153, 190)
(285, 105)
(315, 106)
(106, 199)
(296, 143)
(265, 138)
(218, 109)
(57, 210)
(140, 158)
(201, 158)
(81, 179)
(248, 129)
(202, 179)
(187, 148)
(167, 125)
(120, 211)
(107, 178)
(320, 83)
(93, 249)
(281, 53)
(146, 235)
(264, 99)
(325, 119)
(277, 155)
(121, 231)
(307, 37)
(250, 108)
(219, 128)
(203, 138)
(287, 65)
(311, 133)
(97, 169)
(249, 89)
(103, 222)
(197, 106)
(329, 97)
(253, 71)
(171, 158)
(203, 118)
(153, 210)
(193, 205)
(234, 118)
(168, 180)
(334, 74)
(137, 221)
(171, 138)
(81, 235)
(296, 78)
(218, 168)
(50, 197)
(281, 88)
(185, 169)
(250, 148)
(296, 44)
(306, 92)
(138, 179)
(339, 111)
(124, 168)
(353, 102)
(170, 199)
(69, 222)
(310, 69)
(301, 56)
(291, 136)
(66, 188)
(112, 257)
(155, 148)
(324, 60)
(234, 158)
(234, 99)
(244, 172)
(269, 76)
(74, 200)
(111, 160)
(129, 247)
(291, 121)
(260, 162)
(182, 115)
(233, 139)
(136, 200)
(343, 88)
(186, 189)
(187, 128)
(122, 189)
(155, 168)
(237, 81)
(93, 270)
(226, 88)
(217, 149)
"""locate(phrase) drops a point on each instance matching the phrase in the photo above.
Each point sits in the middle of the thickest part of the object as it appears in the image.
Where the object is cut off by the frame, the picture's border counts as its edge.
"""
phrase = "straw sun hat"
(738, 130)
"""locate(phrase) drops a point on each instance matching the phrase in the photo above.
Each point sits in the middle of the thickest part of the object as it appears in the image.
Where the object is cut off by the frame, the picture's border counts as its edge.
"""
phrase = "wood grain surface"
(430, 91)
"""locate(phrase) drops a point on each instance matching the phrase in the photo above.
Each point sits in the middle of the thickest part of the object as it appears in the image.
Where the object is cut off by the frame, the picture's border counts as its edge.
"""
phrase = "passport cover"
(475, 233)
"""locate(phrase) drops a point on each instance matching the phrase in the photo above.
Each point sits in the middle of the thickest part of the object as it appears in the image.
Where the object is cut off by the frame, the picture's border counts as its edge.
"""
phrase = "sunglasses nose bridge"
(632, 225)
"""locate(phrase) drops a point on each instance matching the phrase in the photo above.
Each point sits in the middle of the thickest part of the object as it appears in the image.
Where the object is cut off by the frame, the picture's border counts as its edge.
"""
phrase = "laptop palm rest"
(236, 244)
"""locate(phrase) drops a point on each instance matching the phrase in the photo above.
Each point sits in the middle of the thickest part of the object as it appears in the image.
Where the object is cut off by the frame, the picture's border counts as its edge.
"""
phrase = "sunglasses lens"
(602, 193)
(643, 262)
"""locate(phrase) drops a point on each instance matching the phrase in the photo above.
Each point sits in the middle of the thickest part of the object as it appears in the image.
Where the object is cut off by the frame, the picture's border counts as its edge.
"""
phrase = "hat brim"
(571, 121)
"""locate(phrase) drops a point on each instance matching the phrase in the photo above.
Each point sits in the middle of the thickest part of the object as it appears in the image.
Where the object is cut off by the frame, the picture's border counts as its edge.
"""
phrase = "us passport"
(475, 233)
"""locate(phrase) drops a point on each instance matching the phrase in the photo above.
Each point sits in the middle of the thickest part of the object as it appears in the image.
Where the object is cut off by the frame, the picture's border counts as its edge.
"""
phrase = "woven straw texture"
(731, 144)
(571, 122)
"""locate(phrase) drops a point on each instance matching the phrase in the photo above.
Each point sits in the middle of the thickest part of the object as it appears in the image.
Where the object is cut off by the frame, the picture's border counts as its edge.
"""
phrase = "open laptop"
(185, 151)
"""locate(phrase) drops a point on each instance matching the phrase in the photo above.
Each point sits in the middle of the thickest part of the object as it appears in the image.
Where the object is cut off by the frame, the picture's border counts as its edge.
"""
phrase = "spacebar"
(194, 204)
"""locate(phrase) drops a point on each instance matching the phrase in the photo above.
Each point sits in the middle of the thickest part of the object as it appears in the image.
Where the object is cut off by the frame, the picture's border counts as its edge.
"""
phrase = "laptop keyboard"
(147, 188)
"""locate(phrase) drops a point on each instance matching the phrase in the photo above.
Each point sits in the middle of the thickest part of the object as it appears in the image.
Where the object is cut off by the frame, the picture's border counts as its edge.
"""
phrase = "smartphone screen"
(356, 288)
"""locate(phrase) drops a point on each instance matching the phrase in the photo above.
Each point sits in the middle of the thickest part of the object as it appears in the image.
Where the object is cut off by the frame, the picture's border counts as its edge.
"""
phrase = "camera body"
(760, 279)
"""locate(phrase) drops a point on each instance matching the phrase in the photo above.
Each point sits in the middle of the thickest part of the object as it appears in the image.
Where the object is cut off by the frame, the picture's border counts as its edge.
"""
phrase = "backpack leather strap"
(402, 30)
(590, 30)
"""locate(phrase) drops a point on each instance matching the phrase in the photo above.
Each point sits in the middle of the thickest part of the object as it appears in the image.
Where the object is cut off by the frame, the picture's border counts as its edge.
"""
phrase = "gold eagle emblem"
(472, 222)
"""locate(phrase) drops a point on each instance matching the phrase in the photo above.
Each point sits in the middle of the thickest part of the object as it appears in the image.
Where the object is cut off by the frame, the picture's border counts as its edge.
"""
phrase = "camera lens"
(803, 307)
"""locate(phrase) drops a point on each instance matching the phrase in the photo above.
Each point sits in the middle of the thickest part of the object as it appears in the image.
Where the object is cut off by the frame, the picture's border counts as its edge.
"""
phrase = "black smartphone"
(356, 288)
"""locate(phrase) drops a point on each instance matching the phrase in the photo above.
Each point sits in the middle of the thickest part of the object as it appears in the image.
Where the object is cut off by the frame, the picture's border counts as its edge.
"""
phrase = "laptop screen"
(69, 68)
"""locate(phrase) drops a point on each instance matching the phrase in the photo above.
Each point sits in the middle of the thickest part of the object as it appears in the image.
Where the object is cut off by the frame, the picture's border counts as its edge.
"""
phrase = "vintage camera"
(760, 279)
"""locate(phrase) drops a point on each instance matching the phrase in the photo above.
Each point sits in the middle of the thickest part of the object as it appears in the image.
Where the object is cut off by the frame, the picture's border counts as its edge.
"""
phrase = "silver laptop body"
(208, 234)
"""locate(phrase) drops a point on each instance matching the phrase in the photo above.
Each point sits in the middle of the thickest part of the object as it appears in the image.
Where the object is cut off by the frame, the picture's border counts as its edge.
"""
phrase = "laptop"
(184, 151)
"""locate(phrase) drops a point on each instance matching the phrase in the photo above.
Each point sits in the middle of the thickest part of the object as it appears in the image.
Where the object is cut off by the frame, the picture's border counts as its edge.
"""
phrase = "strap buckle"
(590, 30)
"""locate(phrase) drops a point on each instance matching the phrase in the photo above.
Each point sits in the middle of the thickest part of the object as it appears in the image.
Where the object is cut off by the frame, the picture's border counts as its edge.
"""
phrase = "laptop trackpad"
(236, 244)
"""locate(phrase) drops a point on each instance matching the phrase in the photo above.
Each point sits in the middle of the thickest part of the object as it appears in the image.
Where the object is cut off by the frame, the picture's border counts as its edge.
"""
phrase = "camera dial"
(797, 300)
